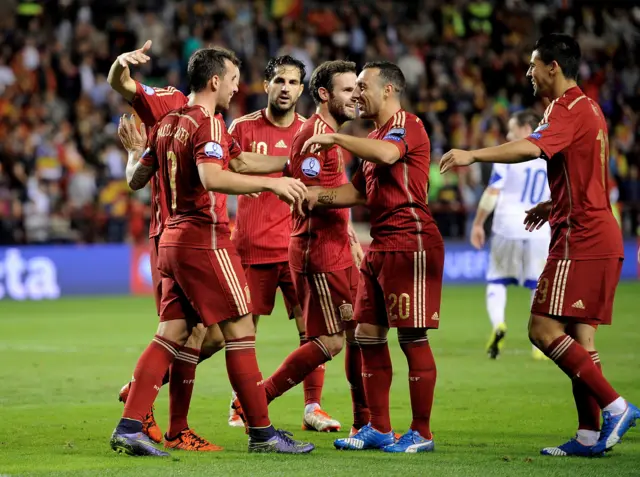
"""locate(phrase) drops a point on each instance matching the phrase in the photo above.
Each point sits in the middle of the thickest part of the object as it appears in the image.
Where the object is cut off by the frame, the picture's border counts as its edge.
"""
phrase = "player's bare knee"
(543, 330)
(213, 342)
(333, 343)
(408, 335)
(366, 330)
(174, 330)
(237, 328)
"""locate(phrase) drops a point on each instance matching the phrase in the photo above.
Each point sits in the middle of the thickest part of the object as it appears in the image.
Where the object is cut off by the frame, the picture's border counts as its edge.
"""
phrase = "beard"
(277, 110)
(340, 112)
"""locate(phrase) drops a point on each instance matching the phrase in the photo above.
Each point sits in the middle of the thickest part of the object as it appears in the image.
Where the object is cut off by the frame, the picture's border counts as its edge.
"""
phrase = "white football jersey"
(521, 186)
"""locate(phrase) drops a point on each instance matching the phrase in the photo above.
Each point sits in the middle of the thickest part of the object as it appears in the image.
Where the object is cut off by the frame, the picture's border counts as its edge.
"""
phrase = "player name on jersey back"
(182, 140)
(397, 194)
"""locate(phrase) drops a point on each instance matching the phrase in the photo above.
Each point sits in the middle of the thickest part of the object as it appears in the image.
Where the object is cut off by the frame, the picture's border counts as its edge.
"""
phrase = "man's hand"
(135, 57)
(455, 158)
(318, 142)
(537, 216)
(478, 237)
(132, 139)
(357, 253)
(288, 189)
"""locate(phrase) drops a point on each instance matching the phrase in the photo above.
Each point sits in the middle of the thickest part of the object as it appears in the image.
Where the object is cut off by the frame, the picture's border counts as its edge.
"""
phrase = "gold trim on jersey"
(195, 123)
(247, 117)
(573, 103)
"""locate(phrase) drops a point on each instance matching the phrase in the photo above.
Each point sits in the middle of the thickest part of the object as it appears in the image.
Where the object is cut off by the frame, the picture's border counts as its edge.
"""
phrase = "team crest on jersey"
(311, 167)
(148, 89)
(346, 312)
(213, 149)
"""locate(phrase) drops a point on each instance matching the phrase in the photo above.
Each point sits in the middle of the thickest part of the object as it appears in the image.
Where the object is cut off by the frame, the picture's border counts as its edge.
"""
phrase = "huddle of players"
(401, 275)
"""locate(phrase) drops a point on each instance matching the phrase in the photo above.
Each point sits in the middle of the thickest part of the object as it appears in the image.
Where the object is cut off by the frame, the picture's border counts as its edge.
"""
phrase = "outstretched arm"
(254, 163)
(510, 153)
(371, 150)
(340, 197)
(119, 77)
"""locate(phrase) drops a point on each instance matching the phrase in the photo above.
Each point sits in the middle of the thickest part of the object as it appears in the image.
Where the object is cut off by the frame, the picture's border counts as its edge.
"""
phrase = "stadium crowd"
(61, 164)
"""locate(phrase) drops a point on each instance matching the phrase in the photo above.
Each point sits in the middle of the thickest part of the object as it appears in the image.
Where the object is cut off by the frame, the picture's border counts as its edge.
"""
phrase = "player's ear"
(265, 83)
(323, 93)
(215, 83)
(554, 68)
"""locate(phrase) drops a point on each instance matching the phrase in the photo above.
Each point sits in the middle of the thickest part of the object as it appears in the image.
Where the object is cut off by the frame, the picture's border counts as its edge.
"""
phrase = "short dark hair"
(206, 63)
(562, 48)
(322, 76)
(527, 116)
(390, 73)
(274, 63)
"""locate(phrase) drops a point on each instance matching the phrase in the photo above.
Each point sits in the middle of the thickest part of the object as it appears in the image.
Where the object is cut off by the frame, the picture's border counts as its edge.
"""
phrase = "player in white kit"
(517, 257)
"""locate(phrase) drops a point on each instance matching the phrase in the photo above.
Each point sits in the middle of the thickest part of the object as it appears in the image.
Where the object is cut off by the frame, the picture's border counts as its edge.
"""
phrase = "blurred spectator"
(61, 164)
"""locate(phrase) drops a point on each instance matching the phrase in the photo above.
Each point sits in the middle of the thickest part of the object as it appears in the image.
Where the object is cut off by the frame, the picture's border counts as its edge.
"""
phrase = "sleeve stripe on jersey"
(399, 119)
(232, 281)
(168, 91)
(216, 134)
(247, 117)
(573, 103)
(195, 123)
(326, 303)
(301, 118)
(547, 113)
(319, 127)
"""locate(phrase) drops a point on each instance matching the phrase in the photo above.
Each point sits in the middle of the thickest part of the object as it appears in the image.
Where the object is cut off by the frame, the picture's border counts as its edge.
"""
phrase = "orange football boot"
(188, 440)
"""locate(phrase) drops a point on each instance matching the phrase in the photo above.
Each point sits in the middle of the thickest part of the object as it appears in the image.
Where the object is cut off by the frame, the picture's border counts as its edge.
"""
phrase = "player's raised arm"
(254, 163)
(119, 76)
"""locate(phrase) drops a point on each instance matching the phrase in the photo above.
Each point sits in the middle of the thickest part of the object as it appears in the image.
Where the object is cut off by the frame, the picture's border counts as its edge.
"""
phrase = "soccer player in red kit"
(320, 254)
(401, 275)
(151, 104)
(263, 224)
(198, 263)
(576, 290)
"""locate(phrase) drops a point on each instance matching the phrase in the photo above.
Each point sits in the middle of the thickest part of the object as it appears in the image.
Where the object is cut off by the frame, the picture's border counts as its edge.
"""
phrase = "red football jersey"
(320, 240)
(181, 140)
(573, 137)
(263, 224)
(397, 195)
(151, 104)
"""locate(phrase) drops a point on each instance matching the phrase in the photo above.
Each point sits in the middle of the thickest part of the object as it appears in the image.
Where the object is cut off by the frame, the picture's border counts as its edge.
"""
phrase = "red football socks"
(587, 406)
(576, 362)
(314, 381)
(296, 367)
(422, 381)
(353, 370)
(246, 380)
(147, 377)
(376, 373)
(183, 375)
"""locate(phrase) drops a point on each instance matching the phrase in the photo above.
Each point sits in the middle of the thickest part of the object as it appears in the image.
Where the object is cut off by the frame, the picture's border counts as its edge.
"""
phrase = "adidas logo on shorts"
(579, 305)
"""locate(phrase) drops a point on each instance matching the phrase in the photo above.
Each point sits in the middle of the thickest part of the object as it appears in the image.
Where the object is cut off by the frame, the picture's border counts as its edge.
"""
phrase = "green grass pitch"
(62, 364)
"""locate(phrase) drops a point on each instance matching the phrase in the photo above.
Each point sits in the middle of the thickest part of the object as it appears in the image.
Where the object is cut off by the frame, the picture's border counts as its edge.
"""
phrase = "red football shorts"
(580, 291)
(327, 300)
(401, 289)
(212, 281)
(156, 279)
(264, 281)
